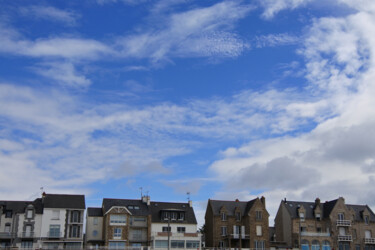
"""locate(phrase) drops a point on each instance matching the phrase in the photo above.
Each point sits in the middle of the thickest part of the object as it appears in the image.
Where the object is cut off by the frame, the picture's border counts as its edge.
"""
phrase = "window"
(173, 216)
(318, 229)
(95, 233)
(223, 216)
(166, 215)
(315, 245)
(192, 244)
(131, 207)
(303, 229)
(8, 214)
(54, 230)
(223, 231)
(27, 244)
(95, 221)
(74, 231)
(137, 234)
(366, 219)
(340, 216)
(28, 231)
(357, 247)
(177, 244)
(302, 216)
(238, 216)
(143, 219)
(258, 215)
(354, 234)
(55, 214)
(181, 229)
(74, 216)
(117, 219)
(221, 244)
(259, 230)
(53, 245)
(181, 216)
(161, 244)
(166, 229)
(317, 216)
(116, 245)
(259, 244)
(136, 207)
(29, 214)
(73, 245)
(305, 245)
(7, 228)
(326, 245)
(367, 234)
(117, 232)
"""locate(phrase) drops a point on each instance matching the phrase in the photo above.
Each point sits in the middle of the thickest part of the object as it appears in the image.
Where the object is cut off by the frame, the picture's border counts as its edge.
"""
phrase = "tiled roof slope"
(358, 209)
(20, 206)
(94, 211)
(157, 207)
(69, 201)
(143, 210)
(244, 206)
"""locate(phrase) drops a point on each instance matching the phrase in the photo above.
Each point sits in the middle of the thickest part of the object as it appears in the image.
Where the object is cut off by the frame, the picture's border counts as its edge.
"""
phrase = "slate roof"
(20, 206)
(69, 201)
(230, 206)
(94, 211)
(358, 209)
(143, 210)
(158, 207)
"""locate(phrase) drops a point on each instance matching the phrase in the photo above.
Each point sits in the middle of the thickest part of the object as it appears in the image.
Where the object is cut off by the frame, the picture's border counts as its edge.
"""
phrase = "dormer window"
(340, 216)
(181, 216)
(317, 216)
(302, 216)
(173, 216)
(223, 216)
(8, 214)
(367, 219)
(238, 216)
(258, 215)
(29, 214)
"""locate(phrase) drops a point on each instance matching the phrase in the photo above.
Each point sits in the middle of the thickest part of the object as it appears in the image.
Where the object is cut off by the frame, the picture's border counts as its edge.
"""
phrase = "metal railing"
(315, 234)
(4, 235)
(343, 223)
(369, 240)
(344, 238)
(54, 234)
(26, 234)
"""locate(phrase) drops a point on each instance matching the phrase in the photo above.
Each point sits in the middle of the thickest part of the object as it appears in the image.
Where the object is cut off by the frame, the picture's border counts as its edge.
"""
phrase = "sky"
(184, 99)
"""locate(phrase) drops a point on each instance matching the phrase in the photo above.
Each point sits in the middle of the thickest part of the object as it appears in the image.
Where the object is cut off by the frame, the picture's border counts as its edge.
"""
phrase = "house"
(174, 224)
(62, 222)
(329, 225)
(237, 224)
(94, 227)
(20, 223)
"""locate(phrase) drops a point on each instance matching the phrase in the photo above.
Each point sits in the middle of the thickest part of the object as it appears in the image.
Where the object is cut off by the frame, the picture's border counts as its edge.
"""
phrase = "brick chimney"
(263, 200)
(317, 202)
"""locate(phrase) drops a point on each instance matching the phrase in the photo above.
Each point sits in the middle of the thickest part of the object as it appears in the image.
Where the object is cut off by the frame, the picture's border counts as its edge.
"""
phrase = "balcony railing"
(343, 223)
(26, 234)
(315, 234)
(345, 238)
(369, 240)
(7, 235)
(54, 234)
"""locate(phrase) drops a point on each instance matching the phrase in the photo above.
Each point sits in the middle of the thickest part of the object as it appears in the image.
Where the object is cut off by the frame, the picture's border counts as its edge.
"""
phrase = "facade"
(174, 224)
(237, 224)
(326, 226)
(20, 223)
(94, 227)
(53, 221)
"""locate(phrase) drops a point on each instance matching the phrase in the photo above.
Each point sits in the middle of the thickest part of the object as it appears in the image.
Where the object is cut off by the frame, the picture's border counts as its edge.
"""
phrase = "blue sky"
(222, 99)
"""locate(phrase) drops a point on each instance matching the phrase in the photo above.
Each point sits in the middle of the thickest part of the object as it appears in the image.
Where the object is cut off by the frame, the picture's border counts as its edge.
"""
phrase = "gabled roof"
(158, 207)
(20, 206)
(143, 210)
(70, 201)
(358, 209)
(94, 211)
(230, 206)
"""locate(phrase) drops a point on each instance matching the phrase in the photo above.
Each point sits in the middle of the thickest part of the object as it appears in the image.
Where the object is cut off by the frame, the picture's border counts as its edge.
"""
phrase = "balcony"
(369, 240)
(344, 238)
(239, 236)
(315, 234)
(54, 234)
(26, 235)
(7, 235)
(343, 223)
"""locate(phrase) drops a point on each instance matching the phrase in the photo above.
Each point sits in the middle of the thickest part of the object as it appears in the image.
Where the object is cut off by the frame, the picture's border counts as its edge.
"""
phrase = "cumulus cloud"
(272, 7)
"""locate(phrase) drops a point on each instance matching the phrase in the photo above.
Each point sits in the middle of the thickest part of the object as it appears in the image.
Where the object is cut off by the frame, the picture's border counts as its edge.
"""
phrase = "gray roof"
(70, 201)
(158, 207)
(94, 211)
(230, 206)
(143, 210)
(358, 209)
(20, 206)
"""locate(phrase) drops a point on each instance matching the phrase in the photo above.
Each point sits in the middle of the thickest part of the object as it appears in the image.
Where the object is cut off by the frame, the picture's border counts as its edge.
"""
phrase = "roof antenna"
(141, 188)
(41, 190)
(188, 196)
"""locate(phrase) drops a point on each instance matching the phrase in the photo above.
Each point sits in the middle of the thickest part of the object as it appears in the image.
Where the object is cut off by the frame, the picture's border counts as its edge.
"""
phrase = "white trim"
(118, 207)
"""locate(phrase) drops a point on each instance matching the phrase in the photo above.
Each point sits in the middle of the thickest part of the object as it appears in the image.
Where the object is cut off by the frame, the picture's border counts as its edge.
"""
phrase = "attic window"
(366, 219)
(131, 207)
(8, 214)
(223, 216)
(238, 216)
(136, 207)
(302, 216)
(317, 216)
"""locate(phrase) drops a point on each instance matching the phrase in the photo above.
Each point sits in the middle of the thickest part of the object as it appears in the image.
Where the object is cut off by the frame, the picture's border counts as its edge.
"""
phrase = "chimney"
(43, 196)
(146, 199)
(263, 200)
(237, 200)
(190, 203)
(317, 202)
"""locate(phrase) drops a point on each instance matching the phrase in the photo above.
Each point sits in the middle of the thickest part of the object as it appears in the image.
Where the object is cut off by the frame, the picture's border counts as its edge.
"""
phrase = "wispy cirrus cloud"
(200, 32)
(50, 13)
(273, 40)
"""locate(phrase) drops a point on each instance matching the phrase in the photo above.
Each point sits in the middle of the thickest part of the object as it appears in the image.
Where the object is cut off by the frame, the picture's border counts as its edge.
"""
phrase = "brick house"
(329, 225)
(237, 224)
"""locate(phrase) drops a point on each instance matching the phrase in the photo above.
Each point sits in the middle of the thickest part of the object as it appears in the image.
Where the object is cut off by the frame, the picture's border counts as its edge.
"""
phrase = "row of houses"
(56, 221)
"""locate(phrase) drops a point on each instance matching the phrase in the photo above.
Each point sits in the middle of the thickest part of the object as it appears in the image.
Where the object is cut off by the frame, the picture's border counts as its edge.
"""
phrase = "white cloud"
(201, 32)
(336, 158)
(273, 40)
(272, 7)
(50, 13)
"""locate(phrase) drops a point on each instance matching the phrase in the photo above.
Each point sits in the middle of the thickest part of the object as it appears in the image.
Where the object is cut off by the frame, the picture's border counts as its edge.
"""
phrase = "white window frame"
(224, 231)
(259, 230)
